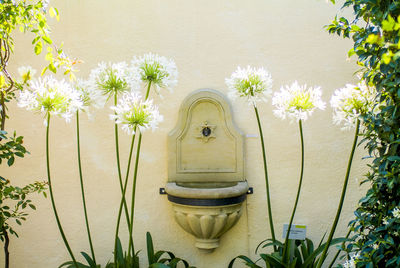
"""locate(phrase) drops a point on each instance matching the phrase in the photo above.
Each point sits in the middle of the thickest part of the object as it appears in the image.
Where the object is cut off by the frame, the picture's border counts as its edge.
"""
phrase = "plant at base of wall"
(303, 254)
(53, 98)
(11, 148)
(13, 201)
(26, 16)
(298, 103)
(159, 259)
(349, 104)
(133, 113)
(13, 204)
(254, 85)
(375, 29)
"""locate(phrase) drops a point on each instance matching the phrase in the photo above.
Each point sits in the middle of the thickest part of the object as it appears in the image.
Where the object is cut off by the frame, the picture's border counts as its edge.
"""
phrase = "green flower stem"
(130, 247)
(119, 164)
(298, 193)
(339, 250)
(148, 91)
(52, 196)
(123, 200)
(271, 222)
(133, 194)
(339, 209)
(82, 189)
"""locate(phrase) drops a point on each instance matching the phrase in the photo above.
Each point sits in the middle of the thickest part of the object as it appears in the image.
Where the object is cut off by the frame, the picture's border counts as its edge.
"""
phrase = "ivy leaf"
(388, 25)
(351, 53)
(387, 57)
(52, 68)
(38, 47)
(47, 39)
(394, 158)
(373, 39)
(10, 161)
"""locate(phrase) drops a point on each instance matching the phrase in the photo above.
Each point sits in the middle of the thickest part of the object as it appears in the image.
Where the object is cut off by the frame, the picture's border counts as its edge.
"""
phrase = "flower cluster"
(55, 97)
(50, 96)
(157, 71)
(114, 78)
(297, 102)
(389, 220)
(89, 96)
(132, 112)
(350, 102)
(150, 69)
(251, 83)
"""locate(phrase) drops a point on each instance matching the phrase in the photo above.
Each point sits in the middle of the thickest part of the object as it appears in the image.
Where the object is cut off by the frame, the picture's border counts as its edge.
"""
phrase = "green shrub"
(375, 30)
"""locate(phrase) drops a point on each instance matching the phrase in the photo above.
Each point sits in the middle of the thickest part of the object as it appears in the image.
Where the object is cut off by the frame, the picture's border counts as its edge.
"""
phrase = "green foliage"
(14, 202)
(30, 16)
(27, 17)
(11, 147)
(303, 254)
(123, 260)
(375, 30)
(159, 259)
(156, 259)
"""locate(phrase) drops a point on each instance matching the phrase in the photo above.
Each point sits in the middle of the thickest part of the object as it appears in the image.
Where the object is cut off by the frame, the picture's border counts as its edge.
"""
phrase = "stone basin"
(209, 190)
(207, 212)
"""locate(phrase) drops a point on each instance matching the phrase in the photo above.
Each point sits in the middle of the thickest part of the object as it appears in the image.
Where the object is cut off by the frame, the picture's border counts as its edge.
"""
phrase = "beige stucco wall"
(208, 40)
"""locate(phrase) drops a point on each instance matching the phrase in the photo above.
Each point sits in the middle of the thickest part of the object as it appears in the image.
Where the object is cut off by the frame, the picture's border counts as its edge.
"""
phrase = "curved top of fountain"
(205, 145)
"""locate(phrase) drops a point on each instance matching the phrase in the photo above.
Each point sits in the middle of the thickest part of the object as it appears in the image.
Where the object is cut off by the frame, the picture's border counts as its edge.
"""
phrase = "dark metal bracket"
(249, 191)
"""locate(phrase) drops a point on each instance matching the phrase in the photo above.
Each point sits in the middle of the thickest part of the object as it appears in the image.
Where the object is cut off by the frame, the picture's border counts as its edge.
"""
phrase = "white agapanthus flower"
(89, 96)
(26, 73)
(250, 83)
(350, 102)
(50, 96)
(157, 70)
(396, 212)
(114, 78)
(131, 112)
(297, 102)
